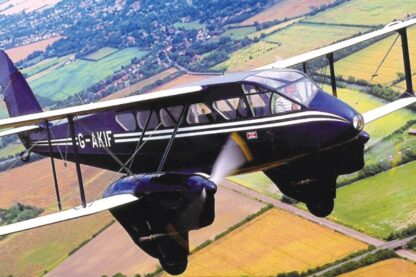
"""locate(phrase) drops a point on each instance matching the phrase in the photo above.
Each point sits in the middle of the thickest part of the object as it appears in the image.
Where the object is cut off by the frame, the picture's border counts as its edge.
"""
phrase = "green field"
(11, 150)
(288, 42)
(239, 33)
(381, 204)
(81, 74)
(189, 25)
(363, 64)
(43, 65)
(258, 182)
(366, 12)
(101, 53)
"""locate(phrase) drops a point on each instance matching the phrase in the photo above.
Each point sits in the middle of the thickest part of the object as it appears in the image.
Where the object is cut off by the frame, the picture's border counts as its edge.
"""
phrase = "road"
(396, 245)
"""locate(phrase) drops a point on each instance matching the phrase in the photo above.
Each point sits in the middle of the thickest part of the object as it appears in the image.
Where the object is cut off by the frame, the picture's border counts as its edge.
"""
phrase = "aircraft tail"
(17, 94)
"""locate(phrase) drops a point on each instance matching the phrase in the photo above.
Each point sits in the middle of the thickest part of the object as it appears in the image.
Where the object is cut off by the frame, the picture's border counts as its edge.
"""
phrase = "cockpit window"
(232, 108)
(293, 84)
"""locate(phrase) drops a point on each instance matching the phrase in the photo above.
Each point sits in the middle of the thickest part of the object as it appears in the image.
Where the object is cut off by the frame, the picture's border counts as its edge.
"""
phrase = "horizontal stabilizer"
(388, 108)
(18, 130)
(92, 208)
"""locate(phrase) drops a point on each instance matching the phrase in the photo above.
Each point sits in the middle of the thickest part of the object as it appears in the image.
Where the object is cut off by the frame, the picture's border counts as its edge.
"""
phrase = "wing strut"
(77, 164)
(169, 146)
(332, 70)
(406, 61)
(55, 179)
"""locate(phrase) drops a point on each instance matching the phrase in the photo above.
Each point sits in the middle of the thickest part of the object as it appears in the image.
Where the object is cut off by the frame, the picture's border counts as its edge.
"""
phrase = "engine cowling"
(169, 206)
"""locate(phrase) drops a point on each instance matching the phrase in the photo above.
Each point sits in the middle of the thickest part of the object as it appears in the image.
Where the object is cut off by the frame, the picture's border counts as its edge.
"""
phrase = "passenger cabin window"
(126, 121)
(142, 117)
(200, 113)
(231, 109)
(170, 116)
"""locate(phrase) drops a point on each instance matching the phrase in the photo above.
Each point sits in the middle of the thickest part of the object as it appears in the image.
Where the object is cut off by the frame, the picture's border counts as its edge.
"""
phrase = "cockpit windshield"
(292, 84)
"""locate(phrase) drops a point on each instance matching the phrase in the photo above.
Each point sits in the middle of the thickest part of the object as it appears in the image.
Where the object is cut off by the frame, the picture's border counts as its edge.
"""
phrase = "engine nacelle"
(169, 206)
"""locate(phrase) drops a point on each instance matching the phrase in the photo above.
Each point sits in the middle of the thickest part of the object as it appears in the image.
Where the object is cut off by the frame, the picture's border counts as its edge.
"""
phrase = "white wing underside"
(92, 208)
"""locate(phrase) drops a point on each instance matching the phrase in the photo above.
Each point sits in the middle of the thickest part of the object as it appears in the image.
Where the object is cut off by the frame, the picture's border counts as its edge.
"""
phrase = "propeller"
(234, 154)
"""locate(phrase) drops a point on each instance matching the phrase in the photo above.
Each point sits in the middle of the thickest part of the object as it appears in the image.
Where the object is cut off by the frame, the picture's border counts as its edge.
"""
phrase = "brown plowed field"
(182, 81)
(113, 251)
(21, 52)
(285, 9)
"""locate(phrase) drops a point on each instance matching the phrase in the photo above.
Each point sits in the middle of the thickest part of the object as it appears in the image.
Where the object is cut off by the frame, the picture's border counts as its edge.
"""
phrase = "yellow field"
(274, 242)
(363, 64)
(387, 268)
(140, 85)
(291, 41)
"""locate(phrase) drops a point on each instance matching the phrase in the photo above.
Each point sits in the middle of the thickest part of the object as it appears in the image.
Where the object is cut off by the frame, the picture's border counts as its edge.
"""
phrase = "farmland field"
(274, 28)
(285, 9)
(81, 74)
(140, 85)
(41, 66)
(101, 53)
(126, 257)
(381, 204)
(11, 150)
(286, 43)
(258, 182)
(366, 12)
(181, 81)
(16, 6)
(19, 53)
(274, 242)
(391, 267)
(362, 64)
(33, 252)
(239, 33)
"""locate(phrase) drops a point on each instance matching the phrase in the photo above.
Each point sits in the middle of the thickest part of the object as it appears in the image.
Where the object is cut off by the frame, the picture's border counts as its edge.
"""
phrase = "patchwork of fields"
(288, 42)
(274, 242)
(81, 74)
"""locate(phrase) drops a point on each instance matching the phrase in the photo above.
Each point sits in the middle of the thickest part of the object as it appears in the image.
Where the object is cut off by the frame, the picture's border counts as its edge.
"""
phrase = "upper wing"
(305, 57)
(121, 103)
(92, 208)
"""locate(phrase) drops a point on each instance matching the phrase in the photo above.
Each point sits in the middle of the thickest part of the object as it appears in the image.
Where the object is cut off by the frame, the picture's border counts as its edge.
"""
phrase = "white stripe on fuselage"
(205, 130)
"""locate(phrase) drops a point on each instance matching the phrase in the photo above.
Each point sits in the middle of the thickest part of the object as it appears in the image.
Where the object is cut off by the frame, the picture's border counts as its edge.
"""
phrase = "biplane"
(175, 146)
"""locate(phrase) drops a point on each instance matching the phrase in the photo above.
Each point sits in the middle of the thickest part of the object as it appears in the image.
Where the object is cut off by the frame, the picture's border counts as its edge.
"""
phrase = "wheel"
(175, 265)
(320, 207)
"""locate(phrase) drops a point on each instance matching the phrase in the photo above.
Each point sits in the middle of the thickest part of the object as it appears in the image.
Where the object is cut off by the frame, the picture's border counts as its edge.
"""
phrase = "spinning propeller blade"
(234, 154)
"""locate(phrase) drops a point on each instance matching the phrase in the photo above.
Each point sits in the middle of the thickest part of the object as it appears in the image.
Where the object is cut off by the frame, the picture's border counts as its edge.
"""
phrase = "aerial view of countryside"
(87, 58)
